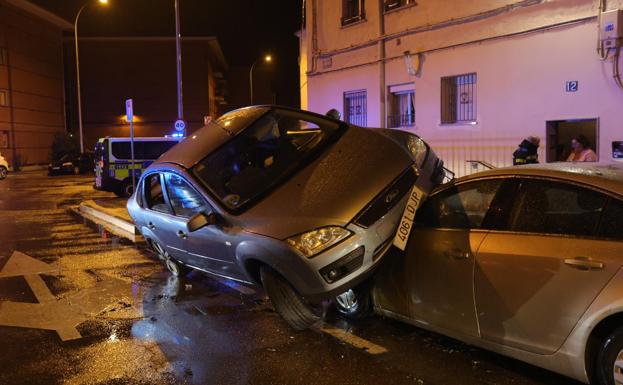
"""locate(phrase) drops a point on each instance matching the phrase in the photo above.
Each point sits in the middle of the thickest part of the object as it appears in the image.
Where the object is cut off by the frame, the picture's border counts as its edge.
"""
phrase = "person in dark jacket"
(527, 151)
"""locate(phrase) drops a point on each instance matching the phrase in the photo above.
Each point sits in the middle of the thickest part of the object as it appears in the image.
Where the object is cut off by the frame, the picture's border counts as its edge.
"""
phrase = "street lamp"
(101, 2)
(267, 59)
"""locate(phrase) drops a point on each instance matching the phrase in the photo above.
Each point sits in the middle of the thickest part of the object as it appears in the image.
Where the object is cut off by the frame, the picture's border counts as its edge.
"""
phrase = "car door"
(441, 252)
(158, 216)
(209, 248)
(537, 275)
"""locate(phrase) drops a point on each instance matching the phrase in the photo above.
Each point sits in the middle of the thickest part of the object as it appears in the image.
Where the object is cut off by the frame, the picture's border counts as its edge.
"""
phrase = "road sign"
(129, 110)
(180, 125)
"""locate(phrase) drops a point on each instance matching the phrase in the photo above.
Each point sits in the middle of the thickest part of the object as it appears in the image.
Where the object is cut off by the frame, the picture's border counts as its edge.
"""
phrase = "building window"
(402, 109)
(4, 139)
(4, 98)
(355, 107)
(458, 99)
(352, 11)
(390, 5)
(3, 56)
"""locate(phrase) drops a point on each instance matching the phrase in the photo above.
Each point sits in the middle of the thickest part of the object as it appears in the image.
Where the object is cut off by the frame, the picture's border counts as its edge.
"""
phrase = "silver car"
(524, 261)
(300, 203)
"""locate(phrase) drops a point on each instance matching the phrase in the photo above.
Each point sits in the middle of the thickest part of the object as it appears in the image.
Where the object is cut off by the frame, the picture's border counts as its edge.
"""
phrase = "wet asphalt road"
(134, 324)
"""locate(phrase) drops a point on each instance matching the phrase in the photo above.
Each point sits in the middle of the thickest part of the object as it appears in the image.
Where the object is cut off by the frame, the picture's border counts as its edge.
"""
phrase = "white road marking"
(353, 340)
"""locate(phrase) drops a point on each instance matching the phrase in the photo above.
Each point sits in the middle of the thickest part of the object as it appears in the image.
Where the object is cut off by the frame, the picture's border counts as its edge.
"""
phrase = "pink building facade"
(471, 77)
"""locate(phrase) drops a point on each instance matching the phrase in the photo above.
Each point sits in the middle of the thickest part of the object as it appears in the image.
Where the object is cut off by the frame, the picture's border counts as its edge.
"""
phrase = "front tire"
(288, 303)
(125, 191)
(610, 359)
(3, 172)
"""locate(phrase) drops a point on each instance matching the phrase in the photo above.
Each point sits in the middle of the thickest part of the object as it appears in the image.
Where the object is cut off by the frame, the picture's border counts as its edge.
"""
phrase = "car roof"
(208, 138)
(607, 176)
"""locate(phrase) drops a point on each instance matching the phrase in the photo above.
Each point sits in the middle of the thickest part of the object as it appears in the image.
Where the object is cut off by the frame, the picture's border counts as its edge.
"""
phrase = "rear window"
(556, 208)
(142, 150)
(612, 221)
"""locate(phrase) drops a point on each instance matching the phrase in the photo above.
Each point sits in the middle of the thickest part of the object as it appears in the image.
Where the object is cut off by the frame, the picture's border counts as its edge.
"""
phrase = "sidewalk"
(112, 214)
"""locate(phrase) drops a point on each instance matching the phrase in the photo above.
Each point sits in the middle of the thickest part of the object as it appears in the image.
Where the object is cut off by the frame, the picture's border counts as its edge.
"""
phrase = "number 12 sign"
(572, 86)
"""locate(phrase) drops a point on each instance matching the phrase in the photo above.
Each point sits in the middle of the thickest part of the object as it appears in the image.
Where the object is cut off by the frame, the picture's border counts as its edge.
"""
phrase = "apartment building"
(472, 77)
(31, 81)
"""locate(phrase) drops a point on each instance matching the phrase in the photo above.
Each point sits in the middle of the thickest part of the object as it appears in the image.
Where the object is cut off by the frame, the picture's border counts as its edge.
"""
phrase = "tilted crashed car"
(299, 203)
(524, 261)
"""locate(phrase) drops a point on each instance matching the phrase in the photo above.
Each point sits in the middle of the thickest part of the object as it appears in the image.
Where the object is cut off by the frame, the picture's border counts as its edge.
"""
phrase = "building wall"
(32, 76)
(113, 70)
(522, 51)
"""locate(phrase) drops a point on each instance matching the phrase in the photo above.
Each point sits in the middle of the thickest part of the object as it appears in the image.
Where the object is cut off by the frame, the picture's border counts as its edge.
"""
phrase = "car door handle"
(151, 226)
(457, 254)
(182, 234)
(584, 263)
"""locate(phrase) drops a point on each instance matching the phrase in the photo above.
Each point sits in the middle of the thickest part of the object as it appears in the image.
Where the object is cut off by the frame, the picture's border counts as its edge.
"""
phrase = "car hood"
(331, 190)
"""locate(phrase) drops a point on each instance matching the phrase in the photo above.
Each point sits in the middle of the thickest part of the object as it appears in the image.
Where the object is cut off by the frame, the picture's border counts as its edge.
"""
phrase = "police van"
(113, 161)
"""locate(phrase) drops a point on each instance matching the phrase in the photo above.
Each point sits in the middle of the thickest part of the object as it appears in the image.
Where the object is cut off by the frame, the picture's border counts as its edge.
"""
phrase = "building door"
(560, 133)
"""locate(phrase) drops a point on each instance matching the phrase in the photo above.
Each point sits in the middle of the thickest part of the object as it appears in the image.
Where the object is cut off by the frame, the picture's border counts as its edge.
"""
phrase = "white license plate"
(416, 197)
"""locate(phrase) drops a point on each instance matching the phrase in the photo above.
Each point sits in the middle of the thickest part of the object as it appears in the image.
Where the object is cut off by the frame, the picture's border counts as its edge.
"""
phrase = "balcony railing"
(405, 120)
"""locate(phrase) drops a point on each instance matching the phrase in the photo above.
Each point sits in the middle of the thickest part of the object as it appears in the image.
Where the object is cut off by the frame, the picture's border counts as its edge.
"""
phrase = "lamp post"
(102, 2)
(178, 46)
(267, 59)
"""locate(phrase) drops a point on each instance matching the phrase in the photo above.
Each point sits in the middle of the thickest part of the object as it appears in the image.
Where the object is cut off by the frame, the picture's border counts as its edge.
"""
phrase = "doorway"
(559, 135)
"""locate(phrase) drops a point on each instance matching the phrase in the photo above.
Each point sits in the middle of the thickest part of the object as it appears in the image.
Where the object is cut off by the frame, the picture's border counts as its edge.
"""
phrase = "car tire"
(177, 268)
(3, 172)
(159, 250)
(125, 191)
(610, 352)
(355, 303)
(288, 303)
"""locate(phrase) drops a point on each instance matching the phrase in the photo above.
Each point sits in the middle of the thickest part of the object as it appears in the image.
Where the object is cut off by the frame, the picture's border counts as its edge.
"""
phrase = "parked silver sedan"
(523, 261)
(302, 204)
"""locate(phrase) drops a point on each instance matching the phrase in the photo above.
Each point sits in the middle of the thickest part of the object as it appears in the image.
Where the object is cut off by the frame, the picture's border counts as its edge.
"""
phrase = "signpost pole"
(129, 112)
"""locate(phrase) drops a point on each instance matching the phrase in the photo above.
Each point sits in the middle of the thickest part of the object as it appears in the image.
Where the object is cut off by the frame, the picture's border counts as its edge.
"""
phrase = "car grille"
(387, 199)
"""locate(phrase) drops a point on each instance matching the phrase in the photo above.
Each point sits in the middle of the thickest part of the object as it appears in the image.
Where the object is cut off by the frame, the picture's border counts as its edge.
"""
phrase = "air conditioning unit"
(611, 28)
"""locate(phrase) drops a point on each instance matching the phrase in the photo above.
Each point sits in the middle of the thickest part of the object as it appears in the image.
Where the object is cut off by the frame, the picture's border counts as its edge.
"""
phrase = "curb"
(116, 225)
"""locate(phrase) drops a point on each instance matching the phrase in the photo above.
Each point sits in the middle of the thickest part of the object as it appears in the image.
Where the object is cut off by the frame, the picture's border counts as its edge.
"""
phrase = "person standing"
(581, 150)
(527, 151)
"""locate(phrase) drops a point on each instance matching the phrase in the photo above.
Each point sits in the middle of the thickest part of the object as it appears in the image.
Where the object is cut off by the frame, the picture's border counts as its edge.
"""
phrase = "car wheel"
(176, 268)
(3, 172)
(288, 303)
(125, 191)
(160, 251)
(354, 303)
(610, 359)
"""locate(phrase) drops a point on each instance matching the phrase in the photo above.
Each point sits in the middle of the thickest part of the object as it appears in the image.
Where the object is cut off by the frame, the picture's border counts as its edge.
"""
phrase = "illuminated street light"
(267, 59)
(104, 3)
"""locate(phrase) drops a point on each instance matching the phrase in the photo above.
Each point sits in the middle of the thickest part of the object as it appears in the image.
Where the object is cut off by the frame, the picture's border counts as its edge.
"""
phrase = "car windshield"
(263, 155)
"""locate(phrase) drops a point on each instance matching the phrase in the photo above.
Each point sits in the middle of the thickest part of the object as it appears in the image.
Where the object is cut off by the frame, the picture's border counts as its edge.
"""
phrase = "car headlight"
(418, 149)
(67, 164)
(313, 242)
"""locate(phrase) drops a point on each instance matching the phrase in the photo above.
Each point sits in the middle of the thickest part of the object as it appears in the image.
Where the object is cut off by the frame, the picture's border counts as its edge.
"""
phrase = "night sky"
(246, 29)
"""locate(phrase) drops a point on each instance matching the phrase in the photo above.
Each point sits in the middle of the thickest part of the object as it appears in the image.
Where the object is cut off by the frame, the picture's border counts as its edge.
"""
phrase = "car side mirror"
(201, 220)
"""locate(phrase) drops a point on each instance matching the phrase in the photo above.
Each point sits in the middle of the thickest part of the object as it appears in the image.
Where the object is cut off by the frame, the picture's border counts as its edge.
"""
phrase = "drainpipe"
(14, 163)
(382, 87)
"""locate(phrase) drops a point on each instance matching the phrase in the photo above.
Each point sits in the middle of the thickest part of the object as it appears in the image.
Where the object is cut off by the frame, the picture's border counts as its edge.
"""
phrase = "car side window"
(186, 201)
(154, 195)
(612, 221)
(550, 207)
(459, 207)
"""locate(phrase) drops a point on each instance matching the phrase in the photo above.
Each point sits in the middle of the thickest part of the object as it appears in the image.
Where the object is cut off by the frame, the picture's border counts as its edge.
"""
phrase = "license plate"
(416, 197)
(56, 168)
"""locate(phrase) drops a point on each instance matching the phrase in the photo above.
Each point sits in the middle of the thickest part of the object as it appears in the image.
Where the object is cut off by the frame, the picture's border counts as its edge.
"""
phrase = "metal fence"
(355, 107)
